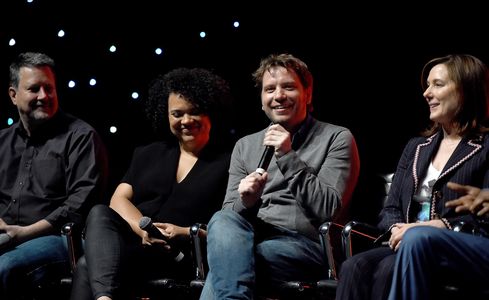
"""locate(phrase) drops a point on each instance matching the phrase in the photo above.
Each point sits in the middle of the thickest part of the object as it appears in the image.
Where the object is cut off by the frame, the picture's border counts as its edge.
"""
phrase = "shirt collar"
(301, 134)
(43, 130)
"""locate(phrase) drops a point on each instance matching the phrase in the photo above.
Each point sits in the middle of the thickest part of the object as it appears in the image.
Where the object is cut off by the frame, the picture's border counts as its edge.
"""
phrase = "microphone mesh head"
(144, 222)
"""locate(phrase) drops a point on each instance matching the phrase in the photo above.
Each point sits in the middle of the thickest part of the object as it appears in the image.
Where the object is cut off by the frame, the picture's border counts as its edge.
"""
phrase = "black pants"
(115, 259)
(367, 275)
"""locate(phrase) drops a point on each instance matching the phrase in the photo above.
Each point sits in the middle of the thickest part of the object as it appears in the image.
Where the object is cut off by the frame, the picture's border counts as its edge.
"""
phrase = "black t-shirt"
(152, 175)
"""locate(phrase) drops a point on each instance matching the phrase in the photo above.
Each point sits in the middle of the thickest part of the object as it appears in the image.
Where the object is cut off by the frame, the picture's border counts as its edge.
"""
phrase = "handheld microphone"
(4, 239)
(146, 224)
(265, 159)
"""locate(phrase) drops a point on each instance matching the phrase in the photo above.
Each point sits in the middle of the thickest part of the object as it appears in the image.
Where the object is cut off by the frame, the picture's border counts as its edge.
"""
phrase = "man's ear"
(13, 94)
(309, 96)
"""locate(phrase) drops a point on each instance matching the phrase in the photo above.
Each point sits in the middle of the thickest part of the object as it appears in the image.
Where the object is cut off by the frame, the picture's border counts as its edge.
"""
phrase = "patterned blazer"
(469, 164)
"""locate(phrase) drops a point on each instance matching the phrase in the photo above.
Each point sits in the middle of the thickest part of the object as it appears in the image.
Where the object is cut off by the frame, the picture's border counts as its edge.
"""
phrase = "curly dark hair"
(207, 92)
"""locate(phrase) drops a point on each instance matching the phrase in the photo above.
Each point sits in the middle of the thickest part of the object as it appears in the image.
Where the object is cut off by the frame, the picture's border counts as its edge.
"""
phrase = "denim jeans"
(30, 264)
(243, 256)
(427, 254)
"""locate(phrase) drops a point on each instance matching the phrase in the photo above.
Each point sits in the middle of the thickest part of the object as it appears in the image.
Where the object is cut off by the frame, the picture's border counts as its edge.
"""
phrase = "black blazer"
(467, 165)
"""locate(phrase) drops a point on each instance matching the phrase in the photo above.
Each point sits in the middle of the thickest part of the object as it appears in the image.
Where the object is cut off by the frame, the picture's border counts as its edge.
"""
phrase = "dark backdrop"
(366, 60)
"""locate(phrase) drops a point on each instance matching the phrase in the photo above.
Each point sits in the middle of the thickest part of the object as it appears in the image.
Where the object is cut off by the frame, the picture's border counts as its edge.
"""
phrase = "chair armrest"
(299, 286)
(327, 247)
(461, 226)
(365, 232)
(198, 255)
(73, 236)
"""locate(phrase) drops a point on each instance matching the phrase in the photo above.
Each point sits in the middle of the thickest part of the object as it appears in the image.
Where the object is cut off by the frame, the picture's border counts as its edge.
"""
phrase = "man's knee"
(225, 220)
(228, 229)
(7, 263)
(10, 271)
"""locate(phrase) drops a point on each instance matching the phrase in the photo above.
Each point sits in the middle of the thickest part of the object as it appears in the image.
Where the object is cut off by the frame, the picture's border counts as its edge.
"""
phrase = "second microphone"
(146, 224)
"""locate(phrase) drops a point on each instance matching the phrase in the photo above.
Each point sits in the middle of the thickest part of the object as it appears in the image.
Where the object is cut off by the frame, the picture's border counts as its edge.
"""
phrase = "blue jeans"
(32, 263)
(427, 254)
(243, 256)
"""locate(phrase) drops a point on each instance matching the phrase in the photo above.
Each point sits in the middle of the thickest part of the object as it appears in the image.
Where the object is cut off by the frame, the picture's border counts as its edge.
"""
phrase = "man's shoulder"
(329, 126)
(69, 125)
(324, 129)
(254, 135)
(76, 123)
(10, 132)
(7, 130)
(252, 138)
(250, 143)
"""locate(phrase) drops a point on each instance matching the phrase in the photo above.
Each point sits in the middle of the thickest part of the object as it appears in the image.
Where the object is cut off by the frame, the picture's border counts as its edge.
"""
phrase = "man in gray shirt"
(267, 231)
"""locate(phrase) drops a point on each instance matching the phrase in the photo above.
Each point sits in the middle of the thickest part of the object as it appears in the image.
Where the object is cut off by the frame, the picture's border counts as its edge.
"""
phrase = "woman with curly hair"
(175, 182)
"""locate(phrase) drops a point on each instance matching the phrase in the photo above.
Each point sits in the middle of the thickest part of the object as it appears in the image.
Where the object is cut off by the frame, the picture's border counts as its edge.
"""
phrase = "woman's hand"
(397, 232)
(399, 229)
(172, 231)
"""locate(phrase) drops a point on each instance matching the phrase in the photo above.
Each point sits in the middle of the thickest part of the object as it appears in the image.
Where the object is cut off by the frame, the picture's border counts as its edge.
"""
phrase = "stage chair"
(360, 236)
(153, 289)
(290, 290)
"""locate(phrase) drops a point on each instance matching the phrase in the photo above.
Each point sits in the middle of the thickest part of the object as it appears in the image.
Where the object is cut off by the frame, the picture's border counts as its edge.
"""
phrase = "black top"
(57, 174)
(152, 175)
